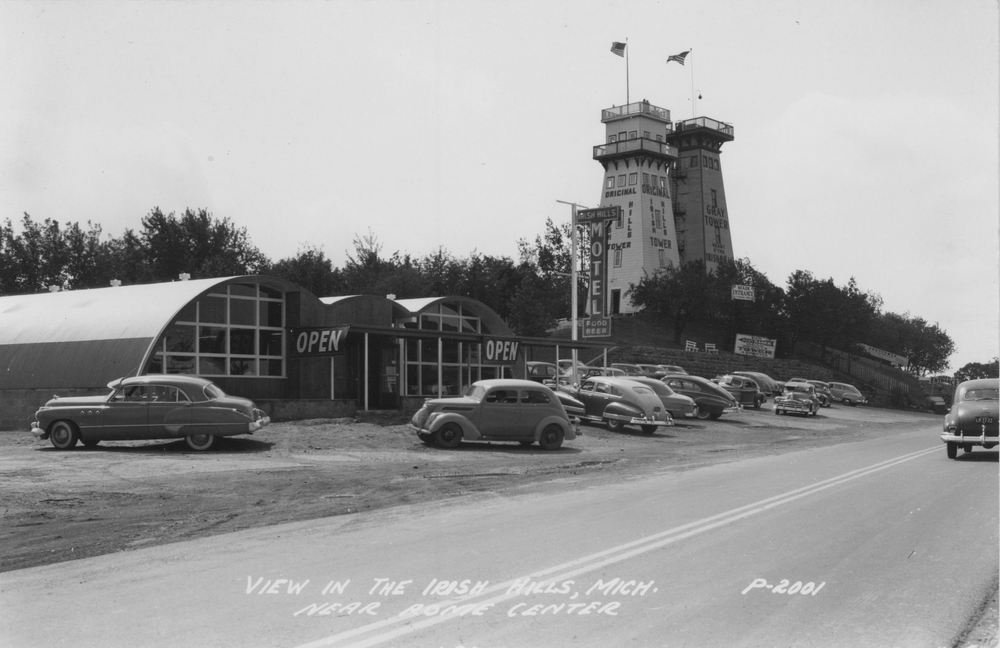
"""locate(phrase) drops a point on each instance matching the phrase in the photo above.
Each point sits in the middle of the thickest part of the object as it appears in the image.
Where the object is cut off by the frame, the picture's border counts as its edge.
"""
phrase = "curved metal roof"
(494, 323)
(80, 315)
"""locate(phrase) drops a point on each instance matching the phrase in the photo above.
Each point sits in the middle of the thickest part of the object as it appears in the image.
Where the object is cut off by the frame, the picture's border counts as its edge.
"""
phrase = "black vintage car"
(972, 419)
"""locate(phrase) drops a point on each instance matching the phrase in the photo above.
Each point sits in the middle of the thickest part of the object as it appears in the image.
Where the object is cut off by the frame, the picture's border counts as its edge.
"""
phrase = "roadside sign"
(743, 292)
(597, 327)
(599, 214)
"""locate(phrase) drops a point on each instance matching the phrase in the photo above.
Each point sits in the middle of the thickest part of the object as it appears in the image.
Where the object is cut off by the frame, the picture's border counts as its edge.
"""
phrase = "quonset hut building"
(295, 354)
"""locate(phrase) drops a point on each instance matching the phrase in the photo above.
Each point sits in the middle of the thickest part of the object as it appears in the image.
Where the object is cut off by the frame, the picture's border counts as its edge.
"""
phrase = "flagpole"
(626, 72)
(694, 105)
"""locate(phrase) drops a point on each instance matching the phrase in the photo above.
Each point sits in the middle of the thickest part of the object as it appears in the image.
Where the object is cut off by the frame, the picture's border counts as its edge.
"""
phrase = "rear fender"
(622, 411)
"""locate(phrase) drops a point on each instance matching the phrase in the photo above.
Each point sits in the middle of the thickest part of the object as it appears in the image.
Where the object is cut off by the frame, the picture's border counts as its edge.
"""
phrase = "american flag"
(618, 48)
(678, 57)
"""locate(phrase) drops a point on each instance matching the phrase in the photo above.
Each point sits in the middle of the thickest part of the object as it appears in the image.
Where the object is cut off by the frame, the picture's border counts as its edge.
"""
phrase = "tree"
(675, 294)
(47, 254)
(311, 269)
(973, 370)
(197, 244)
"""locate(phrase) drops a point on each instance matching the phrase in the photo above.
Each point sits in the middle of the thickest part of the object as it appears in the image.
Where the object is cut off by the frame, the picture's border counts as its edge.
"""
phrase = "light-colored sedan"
(679, 405)
(523, 411)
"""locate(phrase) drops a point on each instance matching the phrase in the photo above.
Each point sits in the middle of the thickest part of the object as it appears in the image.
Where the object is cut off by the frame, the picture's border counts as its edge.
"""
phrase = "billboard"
(754, 345)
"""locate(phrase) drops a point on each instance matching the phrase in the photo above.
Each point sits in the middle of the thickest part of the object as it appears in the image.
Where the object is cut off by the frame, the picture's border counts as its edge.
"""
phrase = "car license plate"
(986, 419)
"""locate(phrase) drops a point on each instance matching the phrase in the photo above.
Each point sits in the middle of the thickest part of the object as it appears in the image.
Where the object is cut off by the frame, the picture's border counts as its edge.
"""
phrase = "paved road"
(875, 543)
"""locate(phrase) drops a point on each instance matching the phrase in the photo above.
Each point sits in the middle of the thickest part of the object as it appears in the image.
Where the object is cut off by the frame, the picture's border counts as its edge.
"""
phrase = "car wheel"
(200, 442)
(952, 448)
(715, 416)
(426, 438)
(90, 443)
(757, 403)
(63, 434)
(705, 414)
(615, 425)
(648, 429)
(448, 435)
(551, 437)
(846, 401)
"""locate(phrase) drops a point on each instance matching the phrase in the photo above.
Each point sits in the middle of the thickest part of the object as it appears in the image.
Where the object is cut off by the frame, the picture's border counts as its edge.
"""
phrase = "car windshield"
(985, 393)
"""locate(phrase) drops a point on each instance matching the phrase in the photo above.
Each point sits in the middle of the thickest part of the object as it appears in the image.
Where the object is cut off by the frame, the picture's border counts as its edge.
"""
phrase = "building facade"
(297, 355)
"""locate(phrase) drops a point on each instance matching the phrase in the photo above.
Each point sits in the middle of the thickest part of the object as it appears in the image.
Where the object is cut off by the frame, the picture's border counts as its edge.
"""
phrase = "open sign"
(501, 350)
(318, 341)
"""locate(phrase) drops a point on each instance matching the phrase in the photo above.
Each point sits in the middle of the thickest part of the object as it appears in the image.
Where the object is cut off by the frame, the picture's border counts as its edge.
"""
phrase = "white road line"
(397, 626)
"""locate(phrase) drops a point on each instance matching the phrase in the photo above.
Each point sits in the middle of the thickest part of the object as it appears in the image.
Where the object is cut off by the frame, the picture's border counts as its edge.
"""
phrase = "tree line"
(531, 293)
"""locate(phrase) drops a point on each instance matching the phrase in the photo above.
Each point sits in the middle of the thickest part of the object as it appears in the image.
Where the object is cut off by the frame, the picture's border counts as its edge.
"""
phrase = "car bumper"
(638, 420)
(259, 423)
(39, 433)
(968, 439)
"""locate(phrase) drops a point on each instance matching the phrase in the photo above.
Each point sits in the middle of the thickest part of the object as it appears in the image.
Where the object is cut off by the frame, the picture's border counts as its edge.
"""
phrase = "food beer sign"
(597, 220)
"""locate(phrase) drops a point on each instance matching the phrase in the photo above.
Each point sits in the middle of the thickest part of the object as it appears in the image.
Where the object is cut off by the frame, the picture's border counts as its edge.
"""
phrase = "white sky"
(866, 130)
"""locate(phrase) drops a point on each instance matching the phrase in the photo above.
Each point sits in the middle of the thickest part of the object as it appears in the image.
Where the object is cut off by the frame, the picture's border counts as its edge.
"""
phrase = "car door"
(126, 414)
(501, 414)
(168, 412)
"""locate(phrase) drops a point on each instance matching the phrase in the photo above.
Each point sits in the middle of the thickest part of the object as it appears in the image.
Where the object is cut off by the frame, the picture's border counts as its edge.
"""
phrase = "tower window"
(693, 161)
(633, 178)
(633, 134)
(612, 139)
(618, 258)
(610, 184)
(621, 180)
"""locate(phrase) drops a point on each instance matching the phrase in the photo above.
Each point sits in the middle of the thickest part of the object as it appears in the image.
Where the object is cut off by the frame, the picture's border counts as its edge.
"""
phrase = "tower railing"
(637, 145)
(704, 122)
(637, 108)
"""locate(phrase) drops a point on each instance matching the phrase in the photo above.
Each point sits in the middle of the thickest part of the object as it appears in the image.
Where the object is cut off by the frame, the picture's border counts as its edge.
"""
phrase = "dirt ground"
(64, 505)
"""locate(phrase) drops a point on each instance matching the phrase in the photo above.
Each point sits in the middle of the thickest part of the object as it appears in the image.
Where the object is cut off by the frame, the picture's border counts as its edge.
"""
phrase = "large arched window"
(234, 330)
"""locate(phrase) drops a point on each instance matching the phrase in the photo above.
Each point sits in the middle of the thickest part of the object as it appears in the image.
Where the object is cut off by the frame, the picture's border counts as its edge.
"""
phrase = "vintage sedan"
(620, 402)
(679, 405)
(768, 385)
(543, 372)
(798, 398)
(149, 407)
(713, 401)
(743, 389)
(497, 410)
(823, 392)
(847, 394)
(972, 419)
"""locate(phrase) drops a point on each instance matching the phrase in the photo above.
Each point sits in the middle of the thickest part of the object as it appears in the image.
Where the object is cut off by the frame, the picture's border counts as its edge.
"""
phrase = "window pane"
(243, 341)
(270, 314)
(243, 367)
(211, 339)
(211, 366)
(179, 364)
(247, 290)
(189, 313)
(242, 311)
(270, 343)
(213, 309)
(180, 338)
